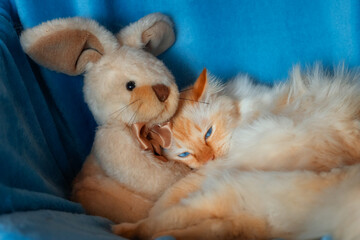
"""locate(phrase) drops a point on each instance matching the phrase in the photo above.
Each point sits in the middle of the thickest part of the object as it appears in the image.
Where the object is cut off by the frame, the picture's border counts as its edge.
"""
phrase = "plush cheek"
(148, 107)
(173, 100)
(170, 105)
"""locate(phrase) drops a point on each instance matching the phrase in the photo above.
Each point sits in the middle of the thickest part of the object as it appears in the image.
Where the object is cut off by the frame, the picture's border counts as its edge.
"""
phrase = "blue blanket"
(46, 130)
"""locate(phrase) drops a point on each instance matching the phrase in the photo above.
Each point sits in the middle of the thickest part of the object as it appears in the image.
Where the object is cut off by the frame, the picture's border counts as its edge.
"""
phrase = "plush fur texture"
(68, 46)
(30, 36)
(157, 37)
(119, 180)
(288, 164)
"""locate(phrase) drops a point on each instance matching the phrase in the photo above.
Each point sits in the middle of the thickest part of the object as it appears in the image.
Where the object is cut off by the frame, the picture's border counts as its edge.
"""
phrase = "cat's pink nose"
(161, 91)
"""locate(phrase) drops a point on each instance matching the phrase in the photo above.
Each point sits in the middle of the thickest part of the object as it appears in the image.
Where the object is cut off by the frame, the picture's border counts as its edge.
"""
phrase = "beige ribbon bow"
(154, 138)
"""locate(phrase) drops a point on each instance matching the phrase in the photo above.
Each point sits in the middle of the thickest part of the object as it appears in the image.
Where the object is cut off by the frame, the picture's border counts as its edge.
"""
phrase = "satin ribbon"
(154, 138)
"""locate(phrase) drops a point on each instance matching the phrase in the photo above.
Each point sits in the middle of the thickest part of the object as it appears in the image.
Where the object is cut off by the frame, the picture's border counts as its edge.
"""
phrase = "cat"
(222, 201)
(310, 122)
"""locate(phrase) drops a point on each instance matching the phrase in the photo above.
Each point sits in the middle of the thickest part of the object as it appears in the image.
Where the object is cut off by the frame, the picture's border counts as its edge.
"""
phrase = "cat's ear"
(200, 86)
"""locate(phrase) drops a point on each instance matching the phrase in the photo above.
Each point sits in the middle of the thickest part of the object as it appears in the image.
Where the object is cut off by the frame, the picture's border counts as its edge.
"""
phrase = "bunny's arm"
(103, 196)
(121, 158)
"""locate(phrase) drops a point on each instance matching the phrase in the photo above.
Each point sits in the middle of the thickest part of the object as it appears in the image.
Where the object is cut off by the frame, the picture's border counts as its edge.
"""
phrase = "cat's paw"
(127, 230)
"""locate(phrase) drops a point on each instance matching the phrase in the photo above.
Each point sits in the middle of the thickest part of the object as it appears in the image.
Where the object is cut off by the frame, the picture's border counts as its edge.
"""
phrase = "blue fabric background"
(46, 130)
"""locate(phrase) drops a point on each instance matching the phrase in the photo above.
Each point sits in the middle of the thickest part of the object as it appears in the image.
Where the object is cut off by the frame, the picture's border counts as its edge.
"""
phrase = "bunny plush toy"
(131, 95)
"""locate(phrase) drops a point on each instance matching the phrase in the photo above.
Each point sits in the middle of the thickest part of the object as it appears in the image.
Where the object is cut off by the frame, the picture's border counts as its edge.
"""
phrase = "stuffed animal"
(131, 95)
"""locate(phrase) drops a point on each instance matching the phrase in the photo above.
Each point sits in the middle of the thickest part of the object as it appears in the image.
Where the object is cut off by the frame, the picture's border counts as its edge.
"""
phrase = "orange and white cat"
(308, 123)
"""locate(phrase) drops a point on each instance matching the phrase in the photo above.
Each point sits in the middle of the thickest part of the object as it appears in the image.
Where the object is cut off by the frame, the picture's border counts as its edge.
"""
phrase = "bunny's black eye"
(130, 85)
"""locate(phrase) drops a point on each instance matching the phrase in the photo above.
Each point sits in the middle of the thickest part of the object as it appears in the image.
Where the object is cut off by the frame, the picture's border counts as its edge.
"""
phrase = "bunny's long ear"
(154, 33)
(68, 45)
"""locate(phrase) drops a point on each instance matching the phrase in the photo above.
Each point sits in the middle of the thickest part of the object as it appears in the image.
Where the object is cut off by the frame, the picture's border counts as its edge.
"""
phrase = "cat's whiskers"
(187, 89)
(187, 99)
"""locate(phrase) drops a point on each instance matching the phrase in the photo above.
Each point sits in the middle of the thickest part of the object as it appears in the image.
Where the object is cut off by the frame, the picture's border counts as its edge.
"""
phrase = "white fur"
(319, 106)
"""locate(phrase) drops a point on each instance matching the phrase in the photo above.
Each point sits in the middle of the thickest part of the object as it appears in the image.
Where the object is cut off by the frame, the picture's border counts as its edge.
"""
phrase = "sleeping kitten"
(315, 116)
(310, 122)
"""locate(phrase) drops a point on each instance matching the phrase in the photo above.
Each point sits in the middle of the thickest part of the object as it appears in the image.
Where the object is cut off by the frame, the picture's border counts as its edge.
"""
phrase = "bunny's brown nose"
(161, 91)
